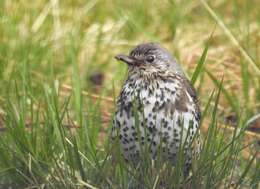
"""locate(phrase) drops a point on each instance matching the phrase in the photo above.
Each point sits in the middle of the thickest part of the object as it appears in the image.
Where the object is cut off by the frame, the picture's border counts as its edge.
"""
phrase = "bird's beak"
(127, 59)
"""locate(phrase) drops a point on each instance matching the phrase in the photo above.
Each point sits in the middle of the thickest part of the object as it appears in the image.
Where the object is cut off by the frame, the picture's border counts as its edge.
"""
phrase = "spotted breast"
(157, 107)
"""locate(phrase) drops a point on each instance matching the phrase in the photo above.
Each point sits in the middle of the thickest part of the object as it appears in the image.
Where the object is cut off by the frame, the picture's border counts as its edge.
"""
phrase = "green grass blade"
(201, 62)
(230, 99)
(229, 34)
(243, 175)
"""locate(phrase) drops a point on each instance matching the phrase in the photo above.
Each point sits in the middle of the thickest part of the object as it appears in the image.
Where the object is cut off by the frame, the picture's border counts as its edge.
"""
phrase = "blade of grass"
(231, 37)
(201, 61)
(242, 177)
(230, 99)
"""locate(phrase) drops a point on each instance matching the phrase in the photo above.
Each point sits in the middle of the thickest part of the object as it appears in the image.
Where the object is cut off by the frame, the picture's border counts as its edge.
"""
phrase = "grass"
(55, 122)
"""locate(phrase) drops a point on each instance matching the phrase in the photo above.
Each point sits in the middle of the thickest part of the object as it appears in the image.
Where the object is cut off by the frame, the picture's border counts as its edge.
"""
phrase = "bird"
(157, 107)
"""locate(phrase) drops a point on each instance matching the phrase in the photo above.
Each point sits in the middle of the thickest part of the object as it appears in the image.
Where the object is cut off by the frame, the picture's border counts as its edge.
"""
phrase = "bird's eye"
(150, 58)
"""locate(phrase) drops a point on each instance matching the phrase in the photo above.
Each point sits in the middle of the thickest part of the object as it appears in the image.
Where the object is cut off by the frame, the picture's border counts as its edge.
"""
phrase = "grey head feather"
(162, 54)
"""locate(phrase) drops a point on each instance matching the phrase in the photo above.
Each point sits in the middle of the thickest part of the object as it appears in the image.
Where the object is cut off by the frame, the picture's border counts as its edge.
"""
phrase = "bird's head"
(149, 58)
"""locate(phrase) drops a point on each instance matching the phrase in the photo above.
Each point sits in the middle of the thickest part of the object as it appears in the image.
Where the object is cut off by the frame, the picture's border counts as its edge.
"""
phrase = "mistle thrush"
(157, 106)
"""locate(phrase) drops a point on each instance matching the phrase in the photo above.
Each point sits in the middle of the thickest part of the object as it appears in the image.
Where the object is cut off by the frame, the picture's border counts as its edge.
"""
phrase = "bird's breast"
(157, 111)
(161, 98)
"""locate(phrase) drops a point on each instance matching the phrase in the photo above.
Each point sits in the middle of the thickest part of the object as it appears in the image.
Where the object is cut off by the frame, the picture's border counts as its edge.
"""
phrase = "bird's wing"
(192, 92)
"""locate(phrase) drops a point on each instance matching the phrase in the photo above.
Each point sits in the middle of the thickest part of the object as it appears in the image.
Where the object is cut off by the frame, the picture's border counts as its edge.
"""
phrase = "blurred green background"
(51, 51)
(51, 36)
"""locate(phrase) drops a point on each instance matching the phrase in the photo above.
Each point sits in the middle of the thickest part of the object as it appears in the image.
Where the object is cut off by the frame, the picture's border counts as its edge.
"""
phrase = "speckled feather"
(157, 105)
